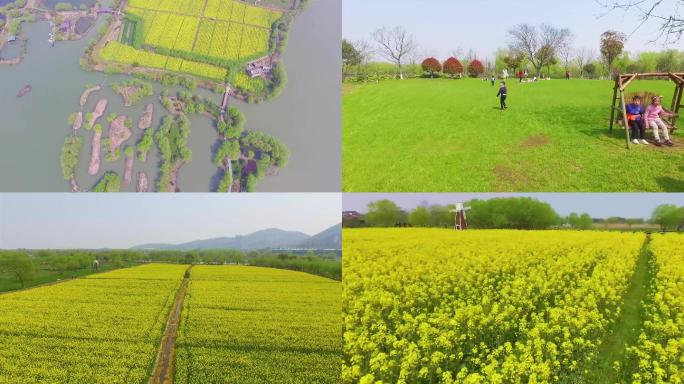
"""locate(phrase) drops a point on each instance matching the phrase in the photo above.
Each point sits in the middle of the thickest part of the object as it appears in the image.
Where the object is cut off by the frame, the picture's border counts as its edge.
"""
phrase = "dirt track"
(163, 369)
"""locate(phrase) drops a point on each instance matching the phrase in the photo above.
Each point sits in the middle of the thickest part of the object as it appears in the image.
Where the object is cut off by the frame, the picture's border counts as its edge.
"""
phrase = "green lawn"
(440, 135)
(9, 282)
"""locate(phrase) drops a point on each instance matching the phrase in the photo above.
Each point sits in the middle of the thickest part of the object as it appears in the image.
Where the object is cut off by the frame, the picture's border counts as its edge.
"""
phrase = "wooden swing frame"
(619, 107)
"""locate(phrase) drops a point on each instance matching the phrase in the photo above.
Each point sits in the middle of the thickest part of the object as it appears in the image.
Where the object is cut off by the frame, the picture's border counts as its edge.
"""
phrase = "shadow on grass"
(593, 122)
(670, 184)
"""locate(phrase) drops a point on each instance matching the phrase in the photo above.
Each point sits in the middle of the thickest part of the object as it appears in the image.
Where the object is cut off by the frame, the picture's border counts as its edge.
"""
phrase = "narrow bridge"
(224, 105)
(107, 10)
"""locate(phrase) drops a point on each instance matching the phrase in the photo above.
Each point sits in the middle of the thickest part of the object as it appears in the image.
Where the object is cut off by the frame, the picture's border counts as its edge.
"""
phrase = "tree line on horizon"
(524, 213)
(25, 268)
(543, 50)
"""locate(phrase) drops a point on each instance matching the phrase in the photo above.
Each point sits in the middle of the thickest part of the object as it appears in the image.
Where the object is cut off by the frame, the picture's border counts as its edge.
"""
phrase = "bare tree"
(364, 49)
(566, 50)
(457, 52)
(583, 56)
(539, 46)
(471, 55)
(671, 26)
(395, 45)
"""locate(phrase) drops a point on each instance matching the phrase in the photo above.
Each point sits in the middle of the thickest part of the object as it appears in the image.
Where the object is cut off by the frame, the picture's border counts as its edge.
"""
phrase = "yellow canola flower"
(443, 306)
(659, 356)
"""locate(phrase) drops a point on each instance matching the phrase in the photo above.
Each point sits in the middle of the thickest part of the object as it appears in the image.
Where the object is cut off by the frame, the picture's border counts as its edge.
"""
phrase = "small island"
(110, 182)
(146, 119)
(132, 91)
(119, 132)
(87, 92)
(129, 153)
(97, 112)
(95, 149)
(143, 183)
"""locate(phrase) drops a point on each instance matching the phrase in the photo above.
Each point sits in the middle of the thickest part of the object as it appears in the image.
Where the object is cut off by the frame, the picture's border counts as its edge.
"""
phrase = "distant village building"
(65, 27)
(261, 67)
(350, 214)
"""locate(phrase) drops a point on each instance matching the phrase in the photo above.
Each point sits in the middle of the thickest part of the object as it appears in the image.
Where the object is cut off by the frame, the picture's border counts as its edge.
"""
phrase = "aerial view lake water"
(305, 117)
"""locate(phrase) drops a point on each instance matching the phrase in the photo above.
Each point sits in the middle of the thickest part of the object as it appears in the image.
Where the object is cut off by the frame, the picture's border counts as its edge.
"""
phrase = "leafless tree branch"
(671, 26)
(395, 44)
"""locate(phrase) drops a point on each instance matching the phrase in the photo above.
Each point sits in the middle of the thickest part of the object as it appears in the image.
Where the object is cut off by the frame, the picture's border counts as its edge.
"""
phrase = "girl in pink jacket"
(653, 120)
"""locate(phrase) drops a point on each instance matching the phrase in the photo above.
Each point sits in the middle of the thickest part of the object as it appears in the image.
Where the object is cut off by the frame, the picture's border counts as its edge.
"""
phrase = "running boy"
(503, 92)
(635, 113)
(653, 120)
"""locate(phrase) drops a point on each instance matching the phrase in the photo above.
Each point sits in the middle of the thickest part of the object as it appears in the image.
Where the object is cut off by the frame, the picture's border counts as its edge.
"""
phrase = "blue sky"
(440, 26)
(123, 220)
(596, 204)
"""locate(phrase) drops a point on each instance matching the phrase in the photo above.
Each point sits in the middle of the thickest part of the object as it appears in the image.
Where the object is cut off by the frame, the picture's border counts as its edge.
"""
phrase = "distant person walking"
(520, 75)
(503, 92)
(505, 74)
(96, 265)
(567, 75)
(493, 80)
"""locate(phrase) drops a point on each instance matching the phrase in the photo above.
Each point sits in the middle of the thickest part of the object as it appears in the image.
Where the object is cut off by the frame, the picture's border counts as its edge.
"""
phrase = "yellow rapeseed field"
(442, 306)
(660, 353)
(105, 328)
(259, 325)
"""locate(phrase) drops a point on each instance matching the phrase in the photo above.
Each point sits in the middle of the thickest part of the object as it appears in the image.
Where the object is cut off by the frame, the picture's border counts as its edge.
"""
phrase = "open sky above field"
(124, 220)
(600, 205)
(441, 26)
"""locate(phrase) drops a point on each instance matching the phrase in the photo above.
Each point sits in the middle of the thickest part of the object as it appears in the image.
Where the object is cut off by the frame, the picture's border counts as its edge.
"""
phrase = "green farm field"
(441, 135)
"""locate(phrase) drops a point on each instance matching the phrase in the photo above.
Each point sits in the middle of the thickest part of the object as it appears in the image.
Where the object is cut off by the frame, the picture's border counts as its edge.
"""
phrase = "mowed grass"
(441, 135)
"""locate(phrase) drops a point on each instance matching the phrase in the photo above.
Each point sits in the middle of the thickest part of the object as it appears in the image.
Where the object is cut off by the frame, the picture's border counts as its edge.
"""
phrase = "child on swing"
(653, 120)
(635, 112)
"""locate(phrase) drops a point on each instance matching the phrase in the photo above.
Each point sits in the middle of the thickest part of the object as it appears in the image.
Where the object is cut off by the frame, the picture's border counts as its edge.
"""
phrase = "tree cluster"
(109, 182)
(171, 139)
(69, 157)
(24, 266)
(499, 213)
(669, 217)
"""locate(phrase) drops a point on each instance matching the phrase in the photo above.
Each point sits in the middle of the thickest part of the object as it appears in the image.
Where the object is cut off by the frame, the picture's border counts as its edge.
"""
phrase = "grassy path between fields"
(626, 330)
(44, 278)
(163, 369)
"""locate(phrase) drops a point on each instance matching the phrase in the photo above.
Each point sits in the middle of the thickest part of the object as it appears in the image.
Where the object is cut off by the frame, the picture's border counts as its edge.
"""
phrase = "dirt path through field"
(626, 330)
(163, 369)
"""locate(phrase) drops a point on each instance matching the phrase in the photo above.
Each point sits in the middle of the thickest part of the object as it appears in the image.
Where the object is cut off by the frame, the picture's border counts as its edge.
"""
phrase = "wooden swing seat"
(618, 112)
